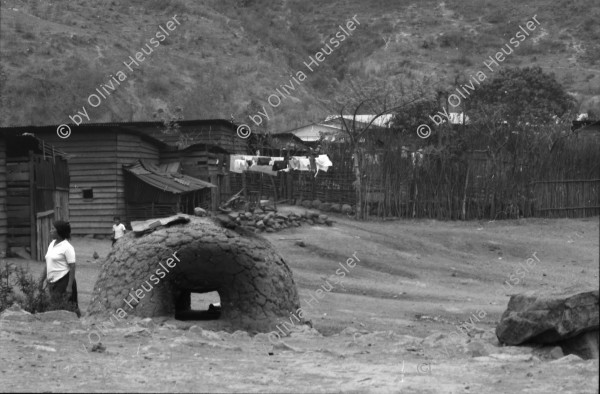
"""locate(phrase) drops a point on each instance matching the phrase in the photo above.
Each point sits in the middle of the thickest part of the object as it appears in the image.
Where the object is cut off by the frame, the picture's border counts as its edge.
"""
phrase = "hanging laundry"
(323, 163)
(235, 164)
(264, 169)
(262, 164)
(263, 161)
(279, 165)
(294, 163)
(240, 166)
(275, 159)
(304, 163)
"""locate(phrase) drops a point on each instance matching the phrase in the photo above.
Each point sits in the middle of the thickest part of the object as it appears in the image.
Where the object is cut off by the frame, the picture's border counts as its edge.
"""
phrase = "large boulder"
(567, 318)
(153, 273)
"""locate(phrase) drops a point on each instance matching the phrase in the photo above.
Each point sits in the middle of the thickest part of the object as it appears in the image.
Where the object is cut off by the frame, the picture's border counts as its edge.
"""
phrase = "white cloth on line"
(240, 165)
(303, 163)
(235, 164)
(323, 163)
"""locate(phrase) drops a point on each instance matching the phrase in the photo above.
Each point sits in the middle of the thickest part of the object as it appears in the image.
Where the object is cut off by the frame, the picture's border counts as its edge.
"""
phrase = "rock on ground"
(569, 318)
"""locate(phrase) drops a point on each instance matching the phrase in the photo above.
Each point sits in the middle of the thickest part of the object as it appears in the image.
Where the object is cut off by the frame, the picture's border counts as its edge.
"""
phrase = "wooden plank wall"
(44, 225)
(61, 205)
(18, 204)
(92, 166)
(195, 163)
(96, 164)
(3, 193)
(129, 149)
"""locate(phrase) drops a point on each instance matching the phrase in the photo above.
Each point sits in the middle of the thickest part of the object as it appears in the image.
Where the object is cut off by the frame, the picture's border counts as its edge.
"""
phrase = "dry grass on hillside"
(226, 53)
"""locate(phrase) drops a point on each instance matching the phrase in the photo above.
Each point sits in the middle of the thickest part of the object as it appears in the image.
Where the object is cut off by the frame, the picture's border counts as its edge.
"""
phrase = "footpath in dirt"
(386, 328)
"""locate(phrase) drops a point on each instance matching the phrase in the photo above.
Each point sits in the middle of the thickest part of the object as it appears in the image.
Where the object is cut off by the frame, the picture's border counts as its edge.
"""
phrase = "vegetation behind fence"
(549, 176)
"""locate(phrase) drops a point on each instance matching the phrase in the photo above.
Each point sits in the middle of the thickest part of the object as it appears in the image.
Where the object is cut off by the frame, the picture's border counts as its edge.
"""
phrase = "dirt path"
(385, 327)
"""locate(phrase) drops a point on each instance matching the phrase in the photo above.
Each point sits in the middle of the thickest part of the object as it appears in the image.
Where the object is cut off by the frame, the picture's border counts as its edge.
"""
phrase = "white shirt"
(119, 230)
(323, 163)
(58, 258)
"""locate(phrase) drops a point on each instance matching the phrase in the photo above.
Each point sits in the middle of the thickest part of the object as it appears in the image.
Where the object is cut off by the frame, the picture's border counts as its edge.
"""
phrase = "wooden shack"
(206, 162)
(203, 147)
(98, 152)
(96, 155)
(35, 192)
(211, 132)
(153, 191)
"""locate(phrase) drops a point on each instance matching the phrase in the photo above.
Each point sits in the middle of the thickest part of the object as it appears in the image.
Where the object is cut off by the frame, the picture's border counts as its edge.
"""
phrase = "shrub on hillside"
(158, 86)
(543, 47)
(453, 39)
(463, 60)
(590, 27)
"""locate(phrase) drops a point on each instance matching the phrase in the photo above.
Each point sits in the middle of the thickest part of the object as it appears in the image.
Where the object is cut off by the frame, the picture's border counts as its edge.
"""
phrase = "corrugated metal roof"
(170, 167)
(171, 182)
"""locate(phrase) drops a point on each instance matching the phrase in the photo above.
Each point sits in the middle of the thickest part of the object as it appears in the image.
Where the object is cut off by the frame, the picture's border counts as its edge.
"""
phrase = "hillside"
(225, 58)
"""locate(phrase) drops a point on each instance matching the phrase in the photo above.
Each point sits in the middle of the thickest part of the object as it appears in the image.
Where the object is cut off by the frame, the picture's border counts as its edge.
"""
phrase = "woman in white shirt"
(60, 267)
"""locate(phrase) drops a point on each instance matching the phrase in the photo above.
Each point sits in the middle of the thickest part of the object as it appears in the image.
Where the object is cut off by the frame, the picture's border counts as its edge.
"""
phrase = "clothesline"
(272, 165)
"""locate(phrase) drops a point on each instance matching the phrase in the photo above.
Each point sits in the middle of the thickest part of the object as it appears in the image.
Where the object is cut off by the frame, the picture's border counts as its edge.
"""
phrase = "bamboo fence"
(560, 182)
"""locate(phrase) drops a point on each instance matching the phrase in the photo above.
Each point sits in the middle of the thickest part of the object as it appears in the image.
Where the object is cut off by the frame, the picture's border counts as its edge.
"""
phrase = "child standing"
(118, 229)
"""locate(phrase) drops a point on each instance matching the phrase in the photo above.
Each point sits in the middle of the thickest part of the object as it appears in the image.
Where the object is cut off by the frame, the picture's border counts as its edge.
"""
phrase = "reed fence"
(563, 181)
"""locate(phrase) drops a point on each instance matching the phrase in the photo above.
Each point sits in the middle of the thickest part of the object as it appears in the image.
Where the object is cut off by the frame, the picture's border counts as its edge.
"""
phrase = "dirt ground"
(385, 328)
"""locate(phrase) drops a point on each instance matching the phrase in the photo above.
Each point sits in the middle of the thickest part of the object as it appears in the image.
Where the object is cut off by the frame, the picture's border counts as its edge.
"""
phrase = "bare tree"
(377, 100)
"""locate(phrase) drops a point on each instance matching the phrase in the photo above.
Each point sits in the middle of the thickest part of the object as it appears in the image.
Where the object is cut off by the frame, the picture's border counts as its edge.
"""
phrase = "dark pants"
(58, 290)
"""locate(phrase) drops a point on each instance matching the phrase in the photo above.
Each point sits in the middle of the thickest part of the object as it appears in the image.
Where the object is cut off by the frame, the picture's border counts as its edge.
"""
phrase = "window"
(88, 193)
